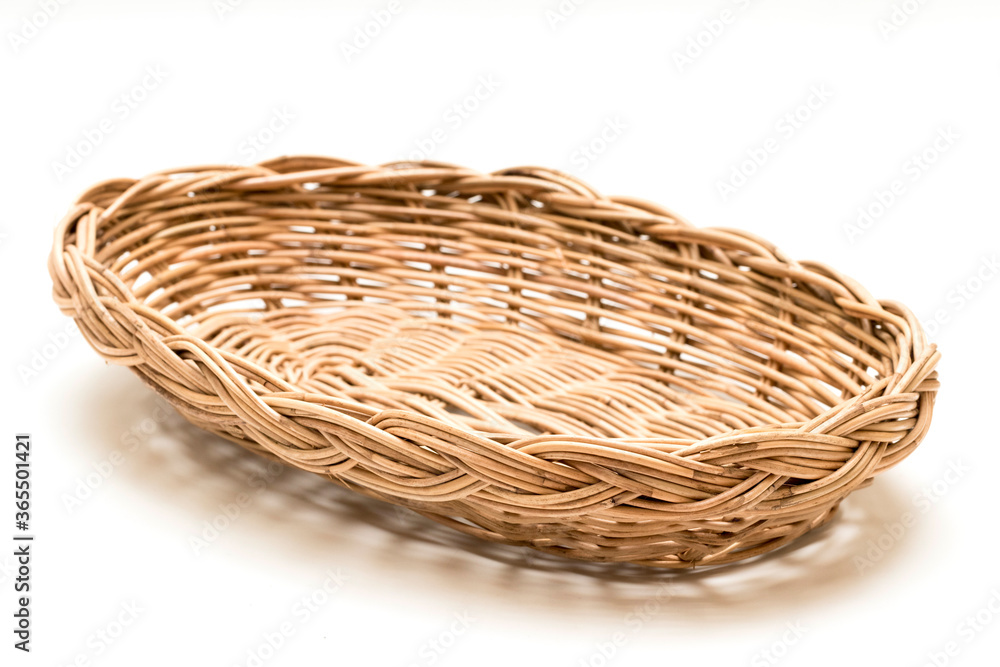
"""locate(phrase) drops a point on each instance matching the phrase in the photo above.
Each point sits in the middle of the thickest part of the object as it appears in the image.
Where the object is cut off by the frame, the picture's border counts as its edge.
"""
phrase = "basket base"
(483, 376)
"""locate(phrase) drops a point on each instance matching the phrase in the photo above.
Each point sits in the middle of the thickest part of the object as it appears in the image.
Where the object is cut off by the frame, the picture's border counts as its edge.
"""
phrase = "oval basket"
(511, 354)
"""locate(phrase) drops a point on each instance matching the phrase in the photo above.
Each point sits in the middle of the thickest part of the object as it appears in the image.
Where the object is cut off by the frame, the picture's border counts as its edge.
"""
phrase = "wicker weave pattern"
(511, 354)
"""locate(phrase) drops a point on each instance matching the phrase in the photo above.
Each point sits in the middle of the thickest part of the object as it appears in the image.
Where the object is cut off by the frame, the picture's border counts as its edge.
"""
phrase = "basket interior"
(497, 312)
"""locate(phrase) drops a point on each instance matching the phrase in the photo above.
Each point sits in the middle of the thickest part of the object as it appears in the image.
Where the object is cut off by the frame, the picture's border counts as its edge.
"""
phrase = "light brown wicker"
(511, 354)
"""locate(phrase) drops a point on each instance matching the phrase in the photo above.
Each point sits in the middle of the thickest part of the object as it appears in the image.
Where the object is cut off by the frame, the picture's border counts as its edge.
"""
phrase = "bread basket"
(511, 354)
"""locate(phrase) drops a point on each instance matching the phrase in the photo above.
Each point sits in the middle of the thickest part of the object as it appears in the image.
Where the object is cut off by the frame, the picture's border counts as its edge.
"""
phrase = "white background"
(410, 591)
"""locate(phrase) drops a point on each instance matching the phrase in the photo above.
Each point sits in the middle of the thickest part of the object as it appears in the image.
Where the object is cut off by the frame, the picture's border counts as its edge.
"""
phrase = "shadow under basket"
(511, 354)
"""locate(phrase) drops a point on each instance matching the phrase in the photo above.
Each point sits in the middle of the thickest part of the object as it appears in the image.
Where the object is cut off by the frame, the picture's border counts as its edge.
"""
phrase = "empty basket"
(511, 354)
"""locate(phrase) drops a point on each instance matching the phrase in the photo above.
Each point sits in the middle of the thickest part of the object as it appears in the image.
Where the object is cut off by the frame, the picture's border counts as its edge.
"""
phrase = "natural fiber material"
(511, 354)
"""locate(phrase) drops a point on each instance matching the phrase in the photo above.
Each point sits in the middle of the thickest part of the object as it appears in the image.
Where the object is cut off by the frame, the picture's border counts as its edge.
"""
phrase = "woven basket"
(512, 354)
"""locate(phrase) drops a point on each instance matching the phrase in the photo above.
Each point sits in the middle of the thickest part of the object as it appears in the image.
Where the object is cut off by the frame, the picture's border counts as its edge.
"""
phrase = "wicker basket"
(511, 354)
